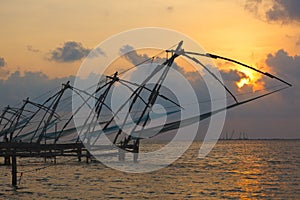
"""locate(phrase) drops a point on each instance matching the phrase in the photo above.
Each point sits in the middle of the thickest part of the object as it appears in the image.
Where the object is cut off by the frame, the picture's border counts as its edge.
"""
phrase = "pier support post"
(6, 160)
(88, 155)
(136, 151)
(121, 154)
(6, 157)
(14, 170)
(79, 153)
(135, 157)
(54, 160)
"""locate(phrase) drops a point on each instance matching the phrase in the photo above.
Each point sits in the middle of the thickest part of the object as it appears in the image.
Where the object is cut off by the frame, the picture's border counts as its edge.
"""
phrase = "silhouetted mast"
(151, 100)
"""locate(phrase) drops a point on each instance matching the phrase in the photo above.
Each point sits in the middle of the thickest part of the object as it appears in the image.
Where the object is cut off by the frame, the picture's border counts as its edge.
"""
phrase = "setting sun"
(242, 82)
(252, 79)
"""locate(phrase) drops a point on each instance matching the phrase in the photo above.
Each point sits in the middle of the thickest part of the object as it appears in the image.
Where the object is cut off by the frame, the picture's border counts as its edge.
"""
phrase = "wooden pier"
(11, 151)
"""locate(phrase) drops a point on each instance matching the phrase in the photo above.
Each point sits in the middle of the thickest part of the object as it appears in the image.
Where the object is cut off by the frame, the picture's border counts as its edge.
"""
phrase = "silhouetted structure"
(47, 129)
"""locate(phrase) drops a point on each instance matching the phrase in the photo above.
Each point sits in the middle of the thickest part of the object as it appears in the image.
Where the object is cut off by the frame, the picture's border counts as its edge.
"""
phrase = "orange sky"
(31, 29)
(221, 27)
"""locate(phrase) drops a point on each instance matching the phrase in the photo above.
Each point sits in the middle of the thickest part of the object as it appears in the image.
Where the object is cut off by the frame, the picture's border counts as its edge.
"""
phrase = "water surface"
(249, 169)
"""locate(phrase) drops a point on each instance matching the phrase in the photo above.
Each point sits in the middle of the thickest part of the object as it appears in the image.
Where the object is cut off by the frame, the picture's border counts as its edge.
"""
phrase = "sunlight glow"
(242, 82)
(252, 79)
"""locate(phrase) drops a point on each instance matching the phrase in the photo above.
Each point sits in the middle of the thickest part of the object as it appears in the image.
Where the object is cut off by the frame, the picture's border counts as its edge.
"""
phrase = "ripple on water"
(251, 170)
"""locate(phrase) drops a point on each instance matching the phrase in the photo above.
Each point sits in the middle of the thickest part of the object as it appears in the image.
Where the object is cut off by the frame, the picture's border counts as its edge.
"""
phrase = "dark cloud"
(287, 67)
(131, 55)
(96, 52)
(135, 58)
(3, 73)
(72, 51)
(126, 49)
(2, 62)
(230, 77)
(31, 84)
(275, 10)
(284, 64)
(284, 10)
(31, 49)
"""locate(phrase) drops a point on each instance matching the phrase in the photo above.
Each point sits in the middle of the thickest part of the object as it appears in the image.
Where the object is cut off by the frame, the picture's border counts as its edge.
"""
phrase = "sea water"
(234, 169)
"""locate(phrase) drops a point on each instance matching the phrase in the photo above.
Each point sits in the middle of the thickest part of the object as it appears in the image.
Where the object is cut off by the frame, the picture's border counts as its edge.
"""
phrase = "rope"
(38, 169)
(46, 93)
(149, 59)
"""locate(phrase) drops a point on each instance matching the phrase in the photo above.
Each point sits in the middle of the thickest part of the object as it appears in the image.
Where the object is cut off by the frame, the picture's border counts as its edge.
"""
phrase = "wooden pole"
(14, 170)
(87, 156)
(79, 152)
(55, 159)
(6, 157)
(6, 160)
(121, 154)
(136, 150)
(135, 157)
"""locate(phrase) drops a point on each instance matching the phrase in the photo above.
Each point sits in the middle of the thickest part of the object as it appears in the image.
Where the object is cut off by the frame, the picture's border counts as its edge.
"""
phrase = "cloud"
(253, 5)
(96, 52)
(287, 67)
(32, 84)
(3, 73)
(135, 58)
(126, 49)
(2, 62)
(275, 10)
(281, 110)
(72, 51)
(31, 49)
(230, 77)
(131, 55)
(284, 10)
(282, 63)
